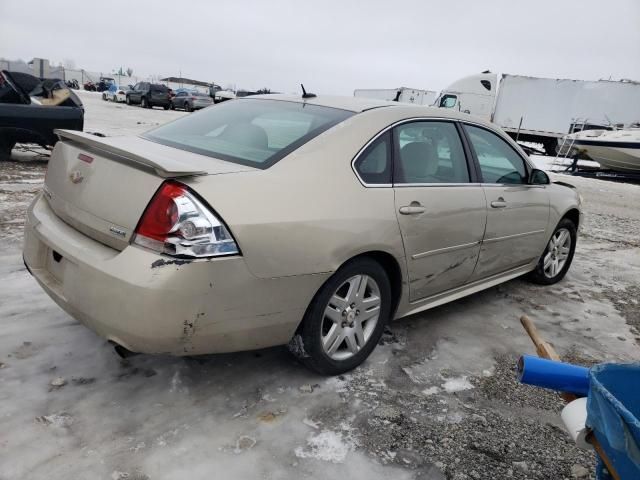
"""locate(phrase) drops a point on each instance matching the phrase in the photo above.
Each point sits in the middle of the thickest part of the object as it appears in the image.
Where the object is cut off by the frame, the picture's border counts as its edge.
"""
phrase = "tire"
(5, 149)
(104, 97)
(551, 274)
(166, 107)
(127, 100)
(344, 349)
(172, 106)
(551, 147)
(144, 103)
(187, 107)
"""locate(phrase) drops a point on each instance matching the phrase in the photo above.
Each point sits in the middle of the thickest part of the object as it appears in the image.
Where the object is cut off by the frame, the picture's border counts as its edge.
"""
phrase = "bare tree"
(129, 71)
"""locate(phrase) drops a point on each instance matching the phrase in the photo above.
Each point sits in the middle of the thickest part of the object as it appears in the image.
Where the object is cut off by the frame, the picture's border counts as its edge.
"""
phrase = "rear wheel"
(166, 107)
(5, 149)
(187, 107)
(127, 100)
(345, 319)
(558, 255)
(144, 103)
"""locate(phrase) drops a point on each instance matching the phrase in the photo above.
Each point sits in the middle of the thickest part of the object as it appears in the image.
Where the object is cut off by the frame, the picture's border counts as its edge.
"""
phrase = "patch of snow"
(459, 384)
(310, 423)
(327, 446)
(431, 390)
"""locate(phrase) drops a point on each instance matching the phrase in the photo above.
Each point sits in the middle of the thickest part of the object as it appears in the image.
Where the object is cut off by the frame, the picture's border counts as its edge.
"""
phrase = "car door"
(441, 208)
(517, 211)
(134, 95)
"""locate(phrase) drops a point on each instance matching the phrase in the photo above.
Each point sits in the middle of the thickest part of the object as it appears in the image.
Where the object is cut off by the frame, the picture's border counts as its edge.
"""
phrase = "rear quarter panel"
(308, 213)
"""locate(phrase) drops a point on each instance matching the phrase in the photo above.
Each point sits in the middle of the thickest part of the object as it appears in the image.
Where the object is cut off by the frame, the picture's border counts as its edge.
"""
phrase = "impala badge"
(76, 176)
(118, 231)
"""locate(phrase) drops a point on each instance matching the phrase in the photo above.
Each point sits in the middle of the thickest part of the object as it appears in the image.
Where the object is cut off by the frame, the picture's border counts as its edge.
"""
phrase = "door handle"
(499, 203)
(413, 209)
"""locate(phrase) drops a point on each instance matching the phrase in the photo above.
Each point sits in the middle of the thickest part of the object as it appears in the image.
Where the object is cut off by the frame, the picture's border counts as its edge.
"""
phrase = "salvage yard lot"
(437, 399)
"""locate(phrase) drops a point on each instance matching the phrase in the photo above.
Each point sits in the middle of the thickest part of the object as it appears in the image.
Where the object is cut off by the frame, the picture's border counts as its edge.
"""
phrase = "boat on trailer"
(617, 150)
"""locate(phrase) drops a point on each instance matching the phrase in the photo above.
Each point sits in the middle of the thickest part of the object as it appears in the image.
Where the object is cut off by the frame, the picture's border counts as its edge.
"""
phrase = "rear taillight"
(177, 223)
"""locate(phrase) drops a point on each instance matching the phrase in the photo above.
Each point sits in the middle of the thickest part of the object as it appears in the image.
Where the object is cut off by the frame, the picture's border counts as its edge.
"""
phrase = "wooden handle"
(543, 349)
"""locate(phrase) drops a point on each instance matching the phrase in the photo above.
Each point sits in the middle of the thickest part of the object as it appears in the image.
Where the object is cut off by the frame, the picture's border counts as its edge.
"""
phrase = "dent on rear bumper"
(156, 304)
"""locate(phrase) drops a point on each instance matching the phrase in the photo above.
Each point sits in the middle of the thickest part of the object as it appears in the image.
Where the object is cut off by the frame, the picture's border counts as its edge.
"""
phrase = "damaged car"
(273, 220)
(31, 108)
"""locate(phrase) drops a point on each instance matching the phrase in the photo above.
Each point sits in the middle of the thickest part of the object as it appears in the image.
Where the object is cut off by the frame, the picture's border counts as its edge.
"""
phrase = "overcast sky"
(330, 46)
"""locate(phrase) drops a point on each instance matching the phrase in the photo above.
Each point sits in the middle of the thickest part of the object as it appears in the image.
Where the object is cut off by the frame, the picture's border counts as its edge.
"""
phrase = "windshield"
(252, 132)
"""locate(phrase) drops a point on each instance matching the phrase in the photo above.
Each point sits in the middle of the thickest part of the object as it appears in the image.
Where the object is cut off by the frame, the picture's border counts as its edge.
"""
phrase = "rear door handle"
(500, 203)
(412, 209)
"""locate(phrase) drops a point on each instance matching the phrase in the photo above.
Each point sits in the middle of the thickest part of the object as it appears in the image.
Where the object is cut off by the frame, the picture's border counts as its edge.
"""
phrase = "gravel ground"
(437, 399)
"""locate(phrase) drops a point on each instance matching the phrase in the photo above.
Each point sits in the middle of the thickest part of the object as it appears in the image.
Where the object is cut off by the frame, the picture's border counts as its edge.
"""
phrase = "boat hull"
(618, 156)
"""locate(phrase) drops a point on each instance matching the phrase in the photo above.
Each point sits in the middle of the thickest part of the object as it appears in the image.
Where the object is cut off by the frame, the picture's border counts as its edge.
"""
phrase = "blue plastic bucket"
(613, 413)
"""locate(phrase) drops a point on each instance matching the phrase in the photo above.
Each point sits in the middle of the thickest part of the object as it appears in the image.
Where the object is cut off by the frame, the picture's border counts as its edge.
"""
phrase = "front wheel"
(187, 107)
(144, 103)
(127, 100)
(346, 318)
(558, 255)
(166, 107)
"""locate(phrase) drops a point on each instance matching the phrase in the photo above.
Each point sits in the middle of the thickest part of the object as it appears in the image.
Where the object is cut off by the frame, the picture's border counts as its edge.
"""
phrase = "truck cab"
(474, 94)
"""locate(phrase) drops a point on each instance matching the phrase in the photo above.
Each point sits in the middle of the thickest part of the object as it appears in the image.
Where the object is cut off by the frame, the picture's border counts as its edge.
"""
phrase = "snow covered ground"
(437, 399)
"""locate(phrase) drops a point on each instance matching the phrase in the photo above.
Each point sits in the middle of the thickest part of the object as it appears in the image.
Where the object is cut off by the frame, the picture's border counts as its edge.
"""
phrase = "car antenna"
(305, 94)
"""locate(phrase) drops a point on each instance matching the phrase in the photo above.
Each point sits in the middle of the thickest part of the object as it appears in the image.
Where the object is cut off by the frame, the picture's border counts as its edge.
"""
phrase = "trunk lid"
(101, 186)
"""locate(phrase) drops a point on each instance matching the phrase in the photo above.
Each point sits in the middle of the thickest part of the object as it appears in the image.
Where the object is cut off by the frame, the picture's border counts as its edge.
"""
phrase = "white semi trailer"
(401, 94)
(542, 110)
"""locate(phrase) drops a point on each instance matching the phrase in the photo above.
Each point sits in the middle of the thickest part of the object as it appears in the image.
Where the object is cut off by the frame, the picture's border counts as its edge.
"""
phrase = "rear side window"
(252, 132)
(374, 164)
(429, 152)
(499, 162)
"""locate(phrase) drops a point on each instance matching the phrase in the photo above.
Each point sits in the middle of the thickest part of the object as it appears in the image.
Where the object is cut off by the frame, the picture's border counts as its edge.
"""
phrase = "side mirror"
(538, 177)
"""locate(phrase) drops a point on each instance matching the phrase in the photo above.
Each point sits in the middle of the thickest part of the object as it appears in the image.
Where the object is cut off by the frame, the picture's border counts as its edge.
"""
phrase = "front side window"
(429, 152)
(448, 101)
(499, 162)
(252, 132)
(374, 164)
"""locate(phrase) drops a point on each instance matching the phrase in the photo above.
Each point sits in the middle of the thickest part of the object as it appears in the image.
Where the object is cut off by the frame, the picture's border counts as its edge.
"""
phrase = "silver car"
(275, 220)
(190, 101)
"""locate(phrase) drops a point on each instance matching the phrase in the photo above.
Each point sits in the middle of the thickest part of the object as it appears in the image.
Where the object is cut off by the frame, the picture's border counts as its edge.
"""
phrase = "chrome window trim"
(404, 185)
(385, 130)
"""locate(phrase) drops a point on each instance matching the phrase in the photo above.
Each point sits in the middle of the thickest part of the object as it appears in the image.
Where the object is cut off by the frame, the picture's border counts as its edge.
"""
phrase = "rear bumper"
(151, 303)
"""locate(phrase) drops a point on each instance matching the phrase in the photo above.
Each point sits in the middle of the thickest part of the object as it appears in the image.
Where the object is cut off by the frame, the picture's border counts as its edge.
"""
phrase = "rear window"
(252, 132)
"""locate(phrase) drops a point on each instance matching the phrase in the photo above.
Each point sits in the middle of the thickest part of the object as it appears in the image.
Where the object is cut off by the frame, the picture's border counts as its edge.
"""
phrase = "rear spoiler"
(167, 169)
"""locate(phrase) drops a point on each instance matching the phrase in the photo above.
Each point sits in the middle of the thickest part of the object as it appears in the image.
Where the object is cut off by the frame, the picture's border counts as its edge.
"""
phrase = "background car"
(116, 93)
(274, 220)
(149, 95)
(189, 101)
(31, 108)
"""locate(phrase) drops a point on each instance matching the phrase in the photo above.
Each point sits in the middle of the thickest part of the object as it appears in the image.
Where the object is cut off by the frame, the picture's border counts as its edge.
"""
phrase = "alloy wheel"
(350, 317)
(557, 253)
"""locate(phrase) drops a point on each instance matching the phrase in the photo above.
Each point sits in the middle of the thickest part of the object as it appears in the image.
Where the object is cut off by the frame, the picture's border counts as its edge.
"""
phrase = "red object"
(85, 158)
(161, 214)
